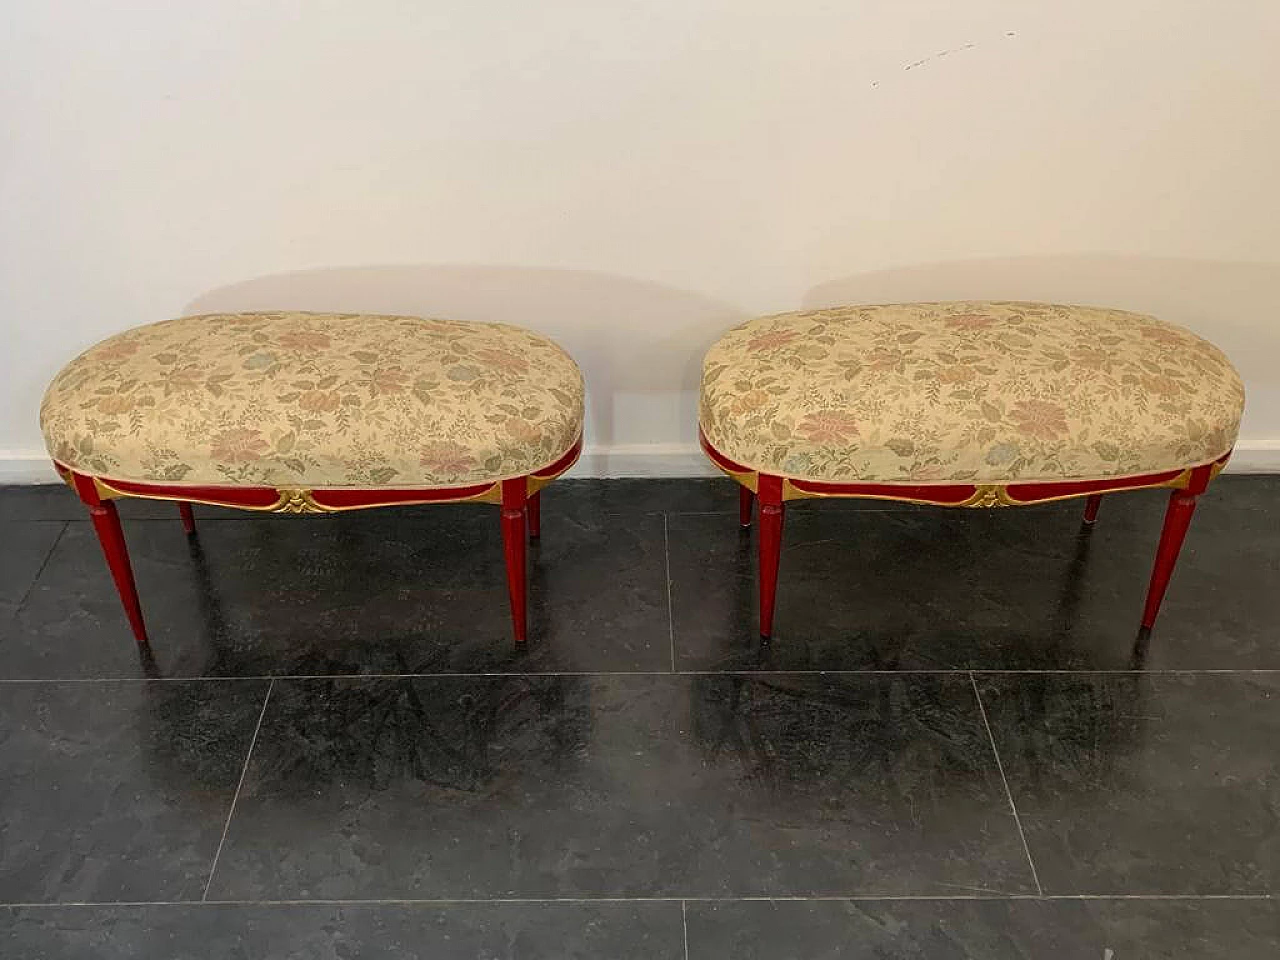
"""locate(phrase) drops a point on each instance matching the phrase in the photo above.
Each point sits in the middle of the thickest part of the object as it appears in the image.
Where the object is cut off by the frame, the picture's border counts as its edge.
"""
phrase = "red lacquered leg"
(745, 498)
(1182, 504)
(1091, 507)
(513, 532)
(106, 523)
(771, 513)
(533, 507)
(188, 518)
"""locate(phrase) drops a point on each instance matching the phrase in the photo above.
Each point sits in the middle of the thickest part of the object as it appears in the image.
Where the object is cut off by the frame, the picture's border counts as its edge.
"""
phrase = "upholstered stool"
(313, 413)
(969, 405)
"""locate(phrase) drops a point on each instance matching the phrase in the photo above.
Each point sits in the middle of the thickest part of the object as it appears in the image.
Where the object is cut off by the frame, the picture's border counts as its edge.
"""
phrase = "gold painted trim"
(987, 495)
(748, 478)
(791, 492)
(492, 495)
(292, 499)
(65, 474)
(990, 495)
(1180, 482)
(534, 482)
(110, 493)
(298, 501)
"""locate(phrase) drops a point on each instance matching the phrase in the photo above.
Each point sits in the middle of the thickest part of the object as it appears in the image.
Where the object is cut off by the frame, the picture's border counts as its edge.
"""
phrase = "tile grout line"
(671, 624)
(773, 898)
(43, 563)
(684, 924)
(244, 771)
(951, 672)
(982, 710)
(964, 672)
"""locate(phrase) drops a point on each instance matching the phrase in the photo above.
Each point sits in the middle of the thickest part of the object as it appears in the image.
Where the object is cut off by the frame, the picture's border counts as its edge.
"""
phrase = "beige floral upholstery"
(315, 400)
(967, 392)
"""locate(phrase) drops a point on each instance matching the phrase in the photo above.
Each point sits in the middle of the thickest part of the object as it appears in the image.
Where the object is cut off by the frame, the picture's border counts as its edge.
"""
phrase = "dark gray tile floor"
(537, 931)
(654, 786)
(950, 749)
(118, 790)
(926, 588)
(356, 593)
(1128, 783)
(986, 929)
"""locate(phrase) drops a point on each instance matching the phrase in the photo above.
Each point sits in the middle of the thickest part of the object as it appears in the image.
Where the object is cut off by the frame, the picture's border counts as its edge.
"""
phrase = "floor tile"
(119, 790)
(540, 931)
(984, 930)
(8, 613)
(56, 501)
(931, 588)
(373, 592)
(1144, 784)
(648, 495)
(620, 786)
(40, 501)
(26, 545)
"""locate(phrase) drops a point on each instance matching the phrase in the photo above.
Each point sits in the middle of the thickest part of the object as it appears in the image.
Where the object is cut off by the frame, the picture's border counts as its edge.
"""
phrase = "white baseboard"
(1255, 455)
(644, 460)
(1252, 455)
(24, 466)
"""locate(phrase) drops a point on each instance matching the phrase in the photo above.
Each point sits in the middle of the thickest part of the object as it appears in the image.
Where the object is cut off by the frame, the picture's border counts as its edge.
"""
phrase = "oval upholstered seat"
(971, 392)
(315, 400)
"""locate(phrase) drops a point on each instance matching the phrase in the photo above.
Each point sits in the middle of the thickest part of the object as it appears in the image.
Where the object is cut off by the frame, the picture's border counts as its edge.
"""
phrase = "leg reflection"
(1063, 624)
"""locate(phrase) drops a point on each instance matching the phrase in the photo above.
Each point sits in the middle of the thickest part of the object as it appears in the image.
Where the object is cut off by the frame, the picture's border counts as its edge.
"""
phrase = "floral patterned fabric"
(315, 400)
(967, 392)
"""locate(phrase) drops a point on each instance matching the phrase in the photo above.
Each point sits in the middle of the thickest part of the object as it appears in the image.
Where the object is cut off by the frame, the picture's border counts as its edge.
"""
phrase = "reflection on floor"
(951, 748)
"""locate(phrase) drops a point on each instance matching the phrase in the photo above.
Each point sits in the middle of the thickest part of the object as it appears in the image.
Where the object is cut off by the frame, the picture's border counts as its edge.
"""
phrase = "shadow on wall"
(1234, 304)
(640, 344)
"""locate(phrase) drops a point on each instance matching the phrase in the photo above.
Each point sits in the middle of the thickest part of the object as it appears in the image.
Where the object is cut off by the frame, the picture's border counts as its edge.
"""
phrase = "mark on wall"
(939, 56)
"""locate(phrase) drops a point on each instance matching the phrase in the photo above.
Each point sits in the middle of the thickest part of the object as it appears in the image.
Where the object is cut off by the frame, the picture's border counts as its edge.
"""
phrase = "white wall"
(632, 177)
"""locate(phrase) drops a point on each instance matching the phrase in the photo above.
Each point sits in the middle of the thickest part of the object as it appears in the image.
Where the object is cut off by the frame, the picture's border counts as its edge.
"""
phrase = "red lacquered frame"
(773, 492)
(518, 497)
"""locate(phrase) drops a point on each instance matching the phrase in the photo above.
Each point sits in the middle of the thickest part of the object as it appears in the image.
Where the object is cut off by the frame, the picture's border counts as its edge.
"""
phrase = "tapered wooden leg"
(533, 507)
(745, 502)
(1177, 517)
(770, 535)
(513, 534)
(106, 522)
(1091, 507)
(188, 518)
